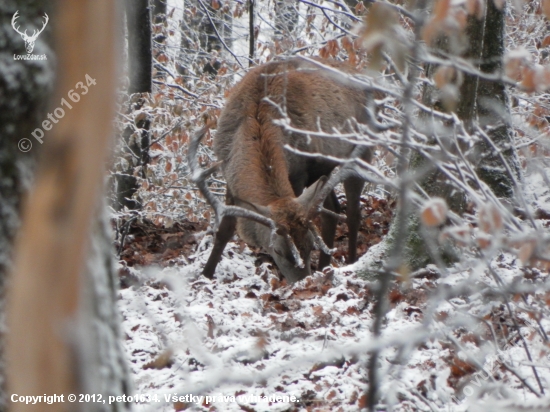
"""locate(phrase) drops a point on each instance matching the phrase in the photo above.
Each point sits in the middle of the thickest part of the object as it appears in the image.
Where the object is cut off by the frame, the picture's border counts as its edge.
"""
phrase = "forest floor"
(238, 341)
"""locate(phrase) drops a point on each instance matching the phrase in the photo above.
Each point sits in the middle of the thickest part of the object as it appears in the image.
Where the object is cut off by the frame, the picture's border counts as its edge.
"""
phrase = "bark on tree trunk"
(126, 182)
(138, 22)
(106, 371)
(494, 111)
(63, 336)
(251, 34)
(482, 102)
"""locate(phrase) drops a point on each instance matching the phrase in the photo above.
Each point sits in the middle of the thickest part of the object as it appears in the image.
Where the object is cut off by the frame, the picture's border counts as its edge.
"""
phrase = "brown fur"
(260, 172)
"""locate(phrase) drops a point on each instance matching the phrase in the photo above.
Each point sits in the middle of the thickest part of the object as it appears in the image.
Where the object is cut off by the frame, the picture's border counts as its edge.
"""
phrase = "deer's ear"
(309, 195)
(262, 210)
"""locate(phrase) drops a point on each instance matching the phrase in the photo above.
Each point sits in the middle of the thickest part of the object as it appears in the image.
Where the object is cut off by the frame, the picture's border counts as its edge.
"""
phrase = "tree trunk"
(494, 111)
(126, 183)
(63, 332)
(106, 371)
(481, 102)
(138, 22)
(251, 33)
(140, 70)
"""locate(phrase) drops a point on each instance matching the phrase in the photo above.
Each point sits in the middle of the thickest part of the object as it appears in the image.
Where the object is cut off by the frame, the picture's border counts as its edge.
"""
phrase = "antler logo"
(29, 40)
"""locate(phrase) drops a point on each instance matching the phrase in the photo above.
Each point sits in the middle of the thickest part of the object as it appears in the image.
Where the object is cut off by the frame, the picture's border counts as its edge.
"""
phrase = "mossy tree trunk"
(476, 106)
(493, 111)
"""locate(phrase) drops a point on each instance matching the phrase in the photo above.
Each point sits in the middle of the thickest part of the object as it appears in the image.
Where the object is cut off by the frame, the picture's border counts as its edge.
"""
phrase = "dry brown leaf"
(180, 406)
(306, 294)
(435, 213)
(444, 75)
(441, 10)
(528, 82)
(430, 31)
(262, 342)
(460, 368)
(317, 310)
(490, 219)
(211, 326)
(164, 360)
(347, 44)
(513, 68)
(545, 4)
(525, 252)
(476, 8)
(379, 26)
(483, 241)
(362, 402)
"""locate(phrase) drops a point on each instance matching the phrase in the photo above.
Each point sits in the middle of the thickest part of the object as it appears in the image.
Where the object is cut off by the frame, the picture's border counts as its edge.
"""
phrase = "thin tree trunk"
(205, 33)
(126, 183)
(494, 111)
(138, 21)
(251, 34)
(99, 334)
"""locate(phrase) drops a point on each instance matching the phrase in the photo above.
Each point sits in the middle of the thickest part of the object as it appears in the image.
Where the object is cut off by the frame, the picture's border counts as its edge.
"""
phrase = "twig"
(164, 134)
(395, 257)
(177, 86)
(516, 325)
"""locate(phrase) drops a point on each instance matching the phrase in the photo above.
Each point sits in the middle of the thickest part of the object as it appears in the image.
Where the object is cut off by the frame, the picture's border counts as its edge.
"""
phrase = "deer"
(276, 152)
(29, 40)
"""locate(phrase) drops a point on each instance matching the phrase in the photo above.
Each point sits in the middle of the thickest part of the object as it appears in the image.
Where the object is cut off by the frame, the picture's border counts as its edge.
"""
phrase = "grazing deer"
(276, 172)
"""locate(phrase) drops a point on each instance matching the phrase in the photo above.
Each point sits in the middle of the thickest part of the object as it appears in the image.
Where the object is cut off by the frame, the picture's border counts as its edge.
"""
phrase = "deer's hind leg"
(225, 232)
(353, 187)
(328, 230)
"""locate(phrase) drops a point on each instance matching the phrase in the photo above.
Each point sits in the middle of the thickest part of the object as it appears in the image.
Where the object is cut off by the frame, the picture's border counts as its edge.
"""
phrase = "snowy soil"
(246, 334)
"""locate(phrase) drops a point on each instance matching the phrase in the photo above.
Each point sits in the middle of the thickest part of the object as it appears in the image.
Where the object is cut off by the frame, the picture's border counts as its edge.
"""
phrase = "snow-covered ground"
(245, 335)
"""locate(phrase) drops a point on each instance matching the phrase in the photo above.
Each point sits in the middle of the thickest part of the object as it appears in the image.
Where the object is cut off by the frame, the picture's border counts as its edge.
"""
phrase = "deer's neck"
(259, 172)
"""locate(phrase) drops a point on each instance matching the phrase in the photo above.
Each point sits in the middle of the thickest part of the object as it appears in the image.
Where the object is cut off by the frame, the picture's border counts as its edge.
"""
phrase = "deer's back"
(250, 143)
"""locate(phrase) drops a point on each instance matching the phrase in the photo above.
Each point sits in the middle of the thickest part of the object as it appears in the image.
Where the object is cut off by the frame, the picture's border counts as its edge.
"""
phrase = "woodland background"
(447, 309)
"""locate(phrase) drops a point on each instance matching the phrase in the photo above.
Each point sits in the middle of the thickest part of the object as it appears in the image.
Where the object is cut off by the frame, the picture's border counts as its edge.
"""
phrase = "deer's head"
(295, 236)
